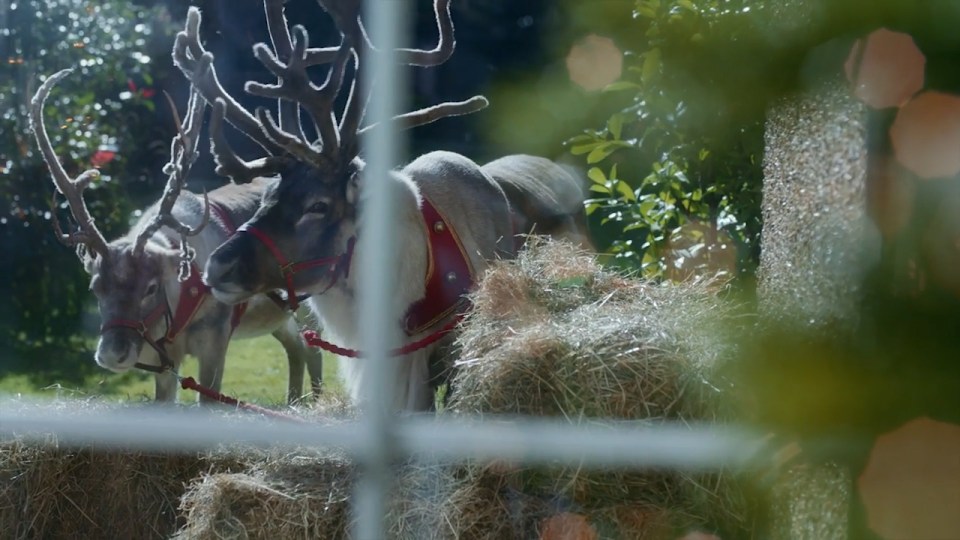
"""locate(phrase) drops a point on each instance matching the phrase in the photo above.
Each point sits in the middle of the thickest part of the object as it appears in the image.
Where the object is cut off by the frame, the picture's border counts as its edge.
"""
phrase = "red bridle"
(142, 327)
(339, 265)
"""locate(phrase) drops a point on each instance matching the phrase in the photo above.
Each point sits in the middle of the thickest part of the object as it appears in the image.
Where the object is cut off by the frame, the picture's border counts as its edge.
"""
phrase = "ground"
(256, 372)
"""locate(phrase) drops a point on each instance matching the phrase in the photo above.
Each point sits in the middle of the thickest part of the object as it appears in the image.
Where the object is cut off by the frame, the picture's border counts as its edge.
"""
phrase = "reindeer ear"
(353, 189)
(90, 262)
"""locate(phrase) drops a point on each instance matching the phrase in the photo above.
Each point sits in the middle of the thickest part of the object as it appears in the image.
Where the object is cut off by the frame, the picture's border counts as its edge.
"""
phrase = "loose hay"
(288, 497)
(48, 491)
(553, 334)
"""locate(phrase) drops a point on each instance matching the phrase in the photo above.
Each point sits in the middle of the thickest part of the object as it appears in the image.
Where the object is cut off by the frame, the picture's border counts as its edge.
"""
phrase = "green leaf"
(613, 172)
(615, 125)
(592, 207)
(600, 153)
(651, 65)
(625, 191)
(572, 282)
(579, 149)
(647, 206)
(600, 188)
(621, 85)
(596, 174)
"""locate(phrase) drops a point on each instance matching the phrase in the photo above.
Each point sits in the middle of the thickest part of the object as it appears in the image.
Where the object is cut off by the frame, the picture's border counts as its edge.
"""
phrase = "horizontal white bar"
(521, 440)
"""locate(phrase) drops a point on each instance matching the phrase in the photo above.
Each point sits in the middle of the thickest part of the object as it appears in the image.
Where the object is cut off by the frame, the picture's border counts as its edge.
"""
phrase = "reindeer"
(150, 292)
(452, 217)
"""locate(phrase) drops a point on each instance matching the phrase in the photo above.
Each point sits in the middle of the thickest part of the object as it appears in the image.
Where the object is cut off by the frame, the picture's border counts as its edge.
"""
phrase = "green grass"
(256, 371)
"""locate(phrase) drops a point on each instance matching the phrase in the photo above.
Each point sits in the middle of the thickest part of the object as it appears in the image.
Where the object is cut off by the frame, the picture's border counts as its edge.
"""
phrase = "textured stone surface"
(817, 243)
(812, 502)
(816, 238)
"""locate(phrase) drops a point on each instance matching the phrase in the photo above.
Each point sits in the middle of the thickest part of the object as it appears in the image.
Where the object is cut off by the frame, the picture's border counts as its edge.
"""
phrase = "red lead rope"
(189, 383)
(314, 340)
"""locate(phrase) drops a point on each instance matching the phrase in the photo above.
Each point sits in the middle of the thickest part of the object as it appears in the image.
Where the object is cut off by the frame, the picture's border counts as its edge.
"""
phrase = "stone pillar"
(816, 246)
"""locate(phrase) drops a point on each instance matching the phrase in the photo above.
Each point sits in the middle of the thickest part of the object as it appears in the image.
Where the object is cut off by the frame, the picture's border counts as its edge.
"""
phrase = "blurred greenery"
(100, 115)
(684, 142)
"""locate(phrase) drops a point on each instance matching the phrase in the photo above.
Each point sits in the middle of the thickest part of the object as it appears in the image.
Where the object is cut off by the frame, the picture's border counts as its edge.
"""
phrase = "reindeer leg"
(166, 387)
(211, 360)
(299, 355)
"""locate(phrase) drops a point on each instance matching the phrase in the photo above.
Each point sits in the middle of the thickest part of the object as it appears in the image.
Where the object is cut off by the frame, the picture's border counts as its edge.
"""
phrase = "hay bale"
(50, 491)
(293, 496)
(554, 334)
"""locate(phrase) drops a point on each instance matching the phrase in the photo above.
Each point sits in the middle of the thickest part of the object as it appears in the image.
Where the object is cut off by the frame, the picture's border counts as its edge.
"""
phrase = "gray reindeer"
(453, 216)
(147, 283)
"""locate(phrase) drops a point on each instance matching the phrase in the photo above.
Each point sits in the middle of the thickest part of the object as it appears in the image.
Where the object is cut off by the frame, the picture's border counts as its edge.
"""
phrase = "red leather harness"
(193, 292)
(449, 277)
(449, 274)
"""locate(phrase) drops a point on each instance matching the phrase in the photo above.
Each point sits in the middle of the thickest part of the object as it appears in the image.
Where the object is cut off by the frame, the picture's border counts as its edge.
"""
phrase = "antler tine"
(428, 115)
(197, 66)
(183, 152)
(228, 162)
(294, 84)
(357, 102)
(280, 37)
(420, 57)
(445, 45)
(72, 189)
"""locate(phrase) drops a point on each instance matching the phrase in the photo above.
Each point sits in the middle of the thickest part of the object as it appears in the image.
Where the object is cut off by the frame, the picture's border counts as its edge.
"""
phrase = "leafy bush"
(676, 173)
(97, 117)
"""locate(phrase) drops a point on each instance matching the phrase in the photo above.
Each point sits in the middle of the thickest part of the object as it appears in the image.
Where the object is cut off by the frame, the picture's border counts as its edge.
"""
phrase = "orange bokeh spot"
(891, 192)
(911, 485)
(885, 69)
(594, 62)
(567, 526)
(926, 135)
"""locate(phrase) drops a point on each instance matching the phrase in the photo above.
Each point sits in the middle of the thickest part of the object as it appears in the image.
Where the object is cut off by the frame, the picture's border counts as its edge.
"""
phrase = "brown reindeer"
(147, 283)
(452, 216)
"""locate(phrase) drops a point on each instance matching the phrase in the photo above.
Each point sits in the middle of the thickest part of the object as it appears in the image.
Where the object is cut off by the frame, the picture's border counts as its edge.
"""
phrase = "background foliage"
(101, 115)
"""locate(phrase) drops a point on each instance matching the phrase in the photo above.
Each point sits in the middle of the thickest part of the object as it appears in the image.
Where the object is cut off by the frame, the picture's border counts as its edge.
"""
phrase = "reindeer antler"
(88, 235)
(288, 60)
(183, 152)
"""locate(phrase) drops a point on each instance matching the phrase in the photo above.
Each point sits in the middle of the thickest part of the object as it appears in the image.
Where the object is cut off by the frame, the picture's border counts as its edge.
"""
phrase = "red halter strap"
(339, 265)
(142, 327)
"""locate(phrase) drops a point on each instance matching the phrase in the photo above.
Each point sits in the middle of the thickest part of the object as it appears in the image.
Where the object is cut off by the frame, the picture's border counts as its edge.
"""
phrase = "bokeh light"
(594, 62)
(911, 485)
(885, 69)
(926, 135)
(891, 192)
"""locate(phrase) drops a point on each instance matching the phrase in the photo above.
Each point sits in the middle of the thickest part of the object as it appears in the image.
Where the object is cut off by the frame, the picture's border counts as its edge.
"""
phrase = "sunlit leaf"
(615, 125)
(580, 149)
(596, 174)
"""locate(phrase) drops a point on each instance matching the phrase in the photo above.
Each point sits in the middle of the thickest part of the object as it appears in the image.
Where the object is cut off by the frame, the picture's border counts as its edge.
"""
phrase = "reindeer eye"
(151, 289)
(319, 207)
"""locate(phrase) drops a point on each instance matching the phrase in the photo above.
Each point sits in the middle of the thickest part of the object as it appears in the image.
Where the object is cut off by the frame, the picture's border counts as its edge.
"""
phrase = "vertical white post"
(387, 24)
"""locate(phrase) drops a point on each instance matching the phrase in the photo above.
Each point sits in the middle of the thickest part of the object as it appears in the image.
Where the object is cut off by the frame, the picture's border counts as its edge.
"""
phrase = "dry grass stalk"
(554, 334)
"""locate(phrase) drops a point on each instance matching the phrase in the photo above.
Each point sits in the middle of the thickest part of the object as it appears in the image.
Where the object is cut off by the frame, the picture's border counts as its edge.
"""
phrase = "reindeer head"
(301, 237)
(130, 277)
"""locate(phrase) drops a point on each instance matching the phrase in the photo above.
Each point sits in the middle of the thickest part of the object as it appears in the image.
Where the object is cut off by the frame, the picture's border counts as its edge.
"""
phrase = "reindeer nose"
(113, 353)
(219, 273)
